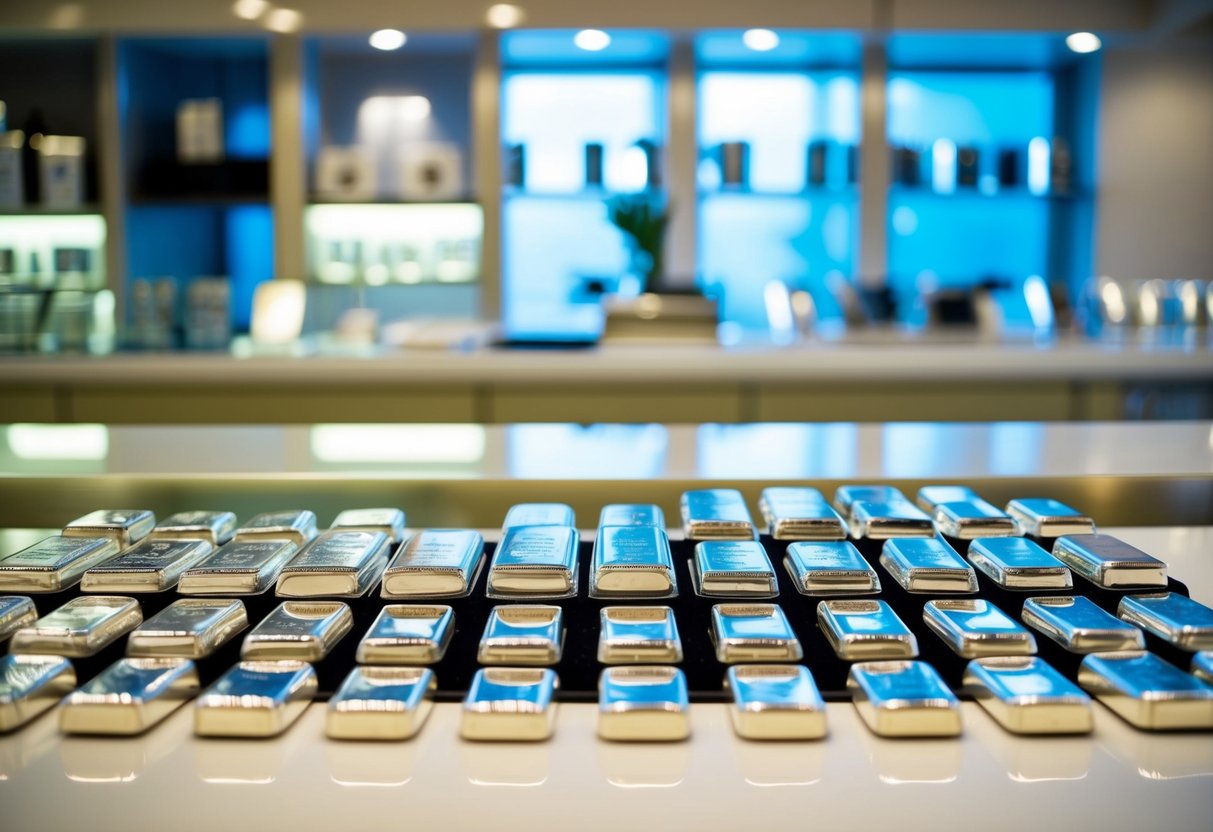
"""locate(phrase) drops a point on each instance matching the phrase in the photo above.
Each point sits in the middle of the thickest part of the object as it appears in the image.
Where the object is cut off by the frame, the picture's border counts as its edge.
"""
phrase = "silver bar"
(930, 496)
(16, 611)
(730, 568)
(1172, 617)
(885, 521)
(381, 703)
(149, 566)
(298, 525)
(632, 562)
(301, 630)
(129, 697)
(775, 702)
(435, 563)
(408, 634)
(647, 703)
(904, 699)
(927, 565)
(1146, 691)
(847, 495)
(255, 699)
(830, 568)
(390, 521)
(510, 703)
(716, 513)
(1109, 562)
(1026, 696)
(865, 629)
(800, 514)
(215, 527)
(336, 564)
(1077, 624)
(30, 686)
(79, 628)
(55, 563)
(974, 628)
(535, 562)
(753, 633)
(1044, 517)
(523, 634)
(189, 628)
(242, 567)
(1018, 563)
(972, 519)
(1202, 665)
(638, 635)
(126, 526)
(538, 514)
(632, 514)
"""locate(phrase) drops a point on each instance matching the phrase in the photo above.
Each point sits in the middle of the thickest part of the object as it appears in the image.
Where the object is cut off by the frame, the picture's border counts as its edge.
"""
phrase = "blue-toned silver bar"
(847, 495)
(1146, 691)
(389, 521)
(1046, 517)
(535, 562)
(215, 527)
(129, 697)
(336, 564)
(522, 634)
(148, 566)
(632, 514)
(904, 699)
(775, 702)
(716, 514)
(974, 628)
(16, 611)
(638, 635)
(865, 629)
(1018, 563)
(1077, 624)
(408, 634)
(927, 565)
(538, 514)
(302, 630)
(81, 627)
(126, 526)
(189, 628)
(887, 521)
(632, 562)
(510, 703)
(242, 567)
(1109, 562)
(1027, 696)
(435, 563)
(255, 699)
(800, 514)
(297, 525)
(1202, 665)
(1172, 617)
(929, 496)
(30, 686)
(753, 633)
(55, 563)
(381, 703)
(971, 519)
(833, 567)
(733, 568)
(643, 704)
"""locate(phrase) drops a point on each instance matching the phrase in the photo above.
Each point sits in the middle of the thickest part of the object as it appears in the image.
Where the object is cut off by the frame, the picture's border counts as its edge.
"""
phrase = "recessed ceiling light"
(283, 21)
(249, 9)
(503, 16)
(592, 40)
(760, 40)
(388, 39)
(1083, 42)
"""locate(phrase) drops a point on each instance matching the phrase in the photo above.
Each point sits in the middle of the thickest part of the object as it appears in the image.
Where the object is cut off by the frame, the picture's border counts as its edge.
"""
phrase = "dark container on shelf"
(735, 163)
(968, 163)
(515, 165)
(1008, 167)
(818, 153)
(593, 165)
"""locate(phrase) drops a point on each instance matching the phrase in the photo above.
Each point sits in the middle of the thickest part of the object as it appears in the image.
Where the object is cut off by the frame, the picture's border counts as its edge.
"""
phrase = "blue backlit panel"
(586, 452)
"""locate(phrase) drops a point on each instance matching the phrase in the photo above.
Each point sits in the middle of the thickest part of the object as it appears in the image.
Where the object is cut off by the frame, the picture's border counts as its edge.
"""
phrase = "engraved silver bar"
(215, 527)
(1109, 562)
(927, 565)
(523, 634)
(865, 629)
(16, 611)
(535, 562)
(242, 567)
(189, 628)
(55, 563)
(904, 699)
(632, 514)
(1018, 563)
(638, 635)
(800, 514)
(408, 634)
(301, 630)
(1027, 696)
(126, 526)
(30, 686)
(972, 519)
(381, 703)
(1077, 624)
(336, 564)
(79, 628)
(830, 568)
(1202, 665)
(255, 699)
(390, 521)
(297, 525)
(645, 703)
(716, 513)
(538, 514)
(1045, 517)
(929, 496)
(974, 628)
(1172, 617)
(435, 563)
(886, 521)
(847, 495)
(1146, 691)
(632, 562)
(149, 566)
(510, 703)
(775, 702)
(753, 633)
(732, 568)
(129, 697)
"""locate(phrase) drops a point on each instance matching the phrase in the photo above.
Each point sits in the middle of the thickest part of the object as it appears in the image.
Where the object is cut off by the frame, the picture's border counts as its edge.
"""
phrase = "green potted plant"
(643, 219)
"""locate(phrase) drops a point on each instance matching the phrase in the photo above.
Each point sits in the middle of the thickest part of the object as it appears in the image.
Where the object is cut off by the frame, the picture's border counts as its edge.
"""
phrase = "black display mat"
(579, 668)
